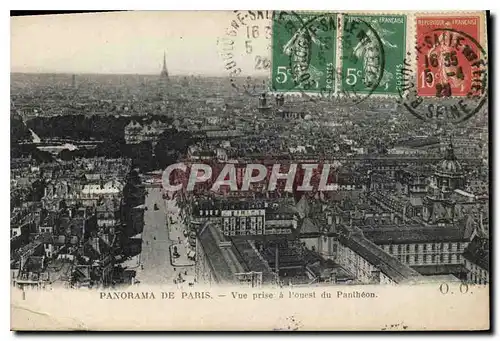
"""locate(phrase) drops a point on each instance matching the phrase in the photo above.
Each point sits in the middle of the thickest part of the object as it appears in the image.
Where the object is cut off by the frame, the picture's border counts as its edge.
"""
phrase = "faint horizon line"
(128, 74)
(98, 73)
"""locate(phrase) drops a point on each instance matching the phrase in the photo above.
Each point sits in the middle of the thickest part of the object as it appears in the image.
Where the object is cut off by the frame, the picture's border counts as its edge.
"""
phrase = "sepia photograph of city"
(288, 150)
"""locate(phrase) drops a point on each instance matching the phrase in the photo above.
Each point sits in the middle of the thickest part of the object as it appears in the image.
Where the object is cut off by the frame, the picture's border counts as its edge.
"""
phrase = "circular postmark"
(451, 79)
(245, 49)
(312, 57)
(303, 50)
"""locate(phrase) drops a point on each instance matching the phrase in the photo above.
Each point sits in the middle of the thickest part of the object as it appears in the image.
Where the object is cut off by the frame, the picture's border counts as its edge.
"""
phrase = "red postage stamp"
(447, 48)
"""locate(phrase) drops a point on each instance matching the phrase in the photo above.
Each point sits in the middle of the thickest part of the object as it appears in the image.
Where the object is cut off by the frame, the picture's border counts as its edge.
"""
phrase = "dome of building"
(450, 164)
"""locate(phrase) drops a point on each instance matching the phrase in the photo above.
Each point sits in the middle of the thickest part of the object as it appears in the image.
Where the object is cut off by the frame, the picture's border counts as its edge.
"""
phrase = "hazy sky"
(128, 42)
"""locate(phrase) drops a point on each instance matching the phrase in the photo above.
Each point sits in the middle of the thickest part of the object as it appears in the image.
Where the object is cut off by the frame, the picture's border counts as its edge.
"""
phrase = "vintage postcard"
(250, 170)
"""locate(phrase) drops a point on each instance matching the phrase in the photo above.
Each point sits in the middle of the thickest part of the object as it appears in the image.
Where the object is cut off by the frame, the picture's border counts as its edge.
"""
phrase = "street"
(158, 240)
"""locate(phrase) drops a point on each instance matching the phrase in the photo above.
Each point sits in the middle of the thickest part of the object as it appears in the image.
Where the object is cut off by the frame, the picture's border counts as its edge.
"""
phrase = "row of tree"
(109, 129)
(170, 146)
(83, 127)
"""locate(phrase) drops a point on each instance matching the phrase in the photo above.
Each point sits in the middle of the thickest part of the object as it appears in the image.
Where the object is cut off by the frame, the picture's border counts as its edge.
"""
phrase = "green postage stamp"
(303, 51)
(306, 58)
(370, 61)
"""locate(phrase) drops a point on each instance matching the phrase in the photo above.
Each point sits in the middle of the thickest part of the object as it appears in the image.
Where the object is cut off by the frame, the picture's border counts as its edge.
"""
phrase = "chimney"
(280, 100)
(333, 277)
(95, 244)
(105, 237)
(333, 228)
(262, 101)
(375, 276)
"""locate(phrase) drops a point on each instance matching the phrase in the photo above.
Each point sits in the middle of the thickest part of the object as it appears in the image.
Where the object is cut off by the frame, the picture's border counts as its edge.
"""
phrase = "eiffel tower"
(164, 72)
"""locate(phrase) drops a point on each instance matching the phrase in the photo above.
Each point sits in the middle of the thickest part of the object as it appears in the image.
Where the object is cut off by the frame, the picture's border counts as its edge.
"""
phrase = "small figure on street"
(185, 272)
(142, 267)
(175, 253)
(180, 279)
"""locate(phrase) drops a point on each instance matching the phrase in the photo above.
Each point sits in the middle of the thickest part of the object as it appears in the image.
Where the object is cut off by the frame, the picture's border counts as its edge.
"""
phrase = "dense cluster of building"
(66, 222)
(421, 228)
(412, 212)
(406, 210)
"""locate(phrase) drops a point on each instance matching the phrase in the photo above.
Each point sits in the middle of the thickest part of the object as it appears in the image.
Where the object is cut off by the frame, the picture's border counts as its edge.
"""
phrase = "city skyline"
(131, 180)
(123, 43)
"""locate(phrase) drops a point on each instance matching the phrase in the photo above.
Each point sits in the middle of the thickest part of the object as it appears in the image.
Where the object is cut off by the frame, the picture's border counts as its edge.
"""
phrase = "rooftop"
(440, 269)
(390, 266)
(59, 270)
(252, 260)
(222, 259)
(478, 252)
(401, 234)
